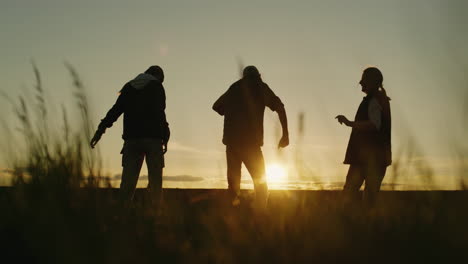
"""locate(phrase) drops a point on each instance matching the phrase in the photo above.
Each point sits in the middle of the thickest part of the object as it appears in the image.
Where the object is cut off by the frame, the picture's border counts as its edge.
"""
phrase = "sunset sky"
(311, 53)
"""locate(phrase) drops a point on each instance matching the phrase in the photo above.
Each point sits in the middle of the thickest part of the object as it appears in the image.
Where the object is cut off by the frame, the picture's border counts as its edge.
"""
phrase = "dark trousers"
(133, 154)
(372, 175)
(252, 157)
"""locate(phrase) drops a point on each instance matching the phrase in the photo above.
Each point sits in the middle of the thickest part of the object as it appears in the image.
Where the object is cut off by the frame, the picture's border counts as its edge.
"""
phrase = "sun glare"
(276, 172)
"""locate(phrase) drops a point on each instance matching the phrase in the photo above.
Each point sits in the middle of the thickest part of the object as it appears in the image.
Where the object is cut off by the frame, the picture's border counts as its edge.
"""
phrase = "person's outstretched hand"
(342, 119)
(284, 141)
(97, 136)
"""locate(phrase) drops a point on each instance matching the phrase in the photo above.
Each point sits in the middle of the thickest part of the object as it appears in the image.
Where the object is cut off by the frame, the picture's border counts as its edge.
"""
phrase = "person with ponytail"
(369, 147)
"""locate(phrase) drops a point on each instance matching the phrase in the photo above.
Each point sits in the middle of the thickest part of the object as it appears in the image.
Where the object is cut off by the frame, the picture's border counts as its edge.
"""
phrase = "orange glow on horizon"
(276, 172)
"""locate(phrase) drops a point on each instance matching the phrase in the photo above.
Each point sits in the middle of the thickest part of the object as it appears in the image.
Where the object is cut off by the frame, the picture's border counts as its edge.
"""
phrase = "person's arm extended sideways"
(374, 122)
(112, 115)
(359, 125)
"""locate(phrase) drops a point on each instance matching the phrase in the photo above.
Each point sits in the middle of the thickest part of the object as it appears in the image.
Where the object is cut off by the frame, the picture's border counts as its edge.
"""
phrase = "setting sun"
(276, 172)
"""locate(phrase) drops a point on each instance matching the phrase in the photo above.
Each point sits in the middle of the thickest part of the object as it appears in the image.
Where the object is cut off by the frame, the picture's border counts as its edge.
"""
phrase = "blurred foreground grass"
(199, 226)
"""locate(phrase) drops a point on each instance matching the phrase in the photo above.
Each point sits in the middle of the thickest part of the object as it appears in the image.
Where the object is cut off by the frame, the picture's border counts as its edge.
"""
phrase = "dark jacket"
(243, 107)
(143, 102)
(366, 147)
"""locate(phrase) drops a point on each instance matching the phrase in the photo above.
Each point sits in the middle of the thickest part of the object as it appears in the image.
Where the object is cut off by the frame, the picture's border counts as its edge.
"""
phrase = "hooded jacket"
(142, 102)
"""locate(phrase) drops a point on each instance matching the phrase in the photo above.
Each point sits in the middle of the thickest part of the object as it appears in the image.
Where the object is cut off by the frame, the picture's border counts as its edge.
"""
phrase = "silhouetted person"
(243, 107)
(145, 131)
(369, 147)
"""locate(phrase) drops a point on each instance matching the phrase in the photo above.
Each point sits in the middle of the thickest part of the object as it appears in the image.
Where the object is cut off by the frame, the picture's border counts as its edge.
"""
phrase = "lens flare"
(276, 173)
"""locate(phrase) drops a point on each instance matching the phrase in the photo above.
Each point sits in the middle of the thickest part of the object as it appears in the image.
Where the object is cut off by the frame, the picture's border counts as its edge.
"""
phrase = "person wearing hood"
(142, 101)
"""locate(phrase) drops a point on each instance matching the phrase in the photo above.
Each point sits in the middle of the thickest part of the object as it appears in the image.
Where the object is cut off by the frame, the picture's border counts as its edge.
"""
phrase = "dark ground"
(199, 226)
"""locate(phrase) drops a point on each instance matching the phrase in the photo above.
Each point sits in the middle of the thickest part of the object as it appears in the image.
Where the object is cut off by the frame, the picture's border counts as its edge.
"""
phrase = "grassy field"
(55, 212)
(199, 226)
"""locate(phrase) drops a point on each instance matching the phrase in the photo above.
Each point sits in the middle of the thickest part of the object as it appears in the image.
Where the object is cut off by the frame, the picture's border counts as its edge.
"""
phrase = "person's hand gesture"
(284, 141)
(342, 119)
(164, 147)
(97, 136)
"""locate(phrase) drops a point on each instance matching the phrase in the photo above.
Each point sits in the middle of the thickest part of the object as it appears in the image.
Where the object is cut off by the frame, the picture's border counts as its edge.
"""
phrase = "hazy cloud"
(177, 178)
(6, 170)
(176, 146)
(183, 178)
